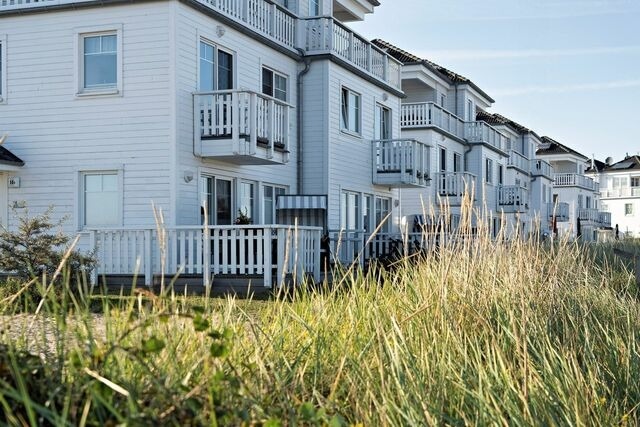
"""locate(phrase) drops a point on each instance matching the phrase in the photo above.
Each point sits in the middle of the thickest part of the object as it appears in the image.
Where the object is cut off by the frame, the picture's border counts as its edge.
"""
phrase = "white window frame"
(314, 3)
(3, 69)
(345, 129)
(253, 200)
(346, 209)
(216, 48)
(212, 208)
(377, 126)
(471, 116)
(274, 73)
(80, 204)
(274, 196)
(80, 35)
(488, 170)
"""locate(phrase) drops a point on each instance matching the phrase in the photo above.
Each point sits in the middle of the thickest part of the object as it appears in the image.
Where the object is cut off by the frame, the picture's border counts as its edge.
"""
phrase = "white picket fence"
(243, 250)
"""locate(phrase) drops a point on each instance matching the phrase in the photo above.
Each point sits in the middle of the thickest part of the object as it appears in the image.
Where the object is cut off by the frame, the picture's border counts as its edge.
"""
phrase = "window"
(367, 213)
(217, 196)
(349, 210)
(488, 170)
(314, 7)
(270, 195)
(382, 122)
(443, 100)
(500, 174)
(457, 162)
(580, 201)
(216, 68)
(350, 117)
(635, 181)
(443, 159)
(587, 202)
(383, 208)
(245, 200)
(628, 209)
(100, 61)
(100, 199)
(3, 68)
(471, 113)
(274, 84)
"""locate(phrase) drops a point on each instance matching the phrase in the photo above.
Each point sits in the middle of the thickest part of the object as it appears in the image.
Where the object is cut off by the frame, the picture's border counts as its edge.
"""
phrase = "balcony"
(482, 133)
(401, 163)
(574, 180)
(620, 193)
(518, 161)
(589, 215)
(455, 185)
(541, 168)
(513, 198)
(429, 114)
(241, 127)
(604, 218)
(327, 36)
(559, 211)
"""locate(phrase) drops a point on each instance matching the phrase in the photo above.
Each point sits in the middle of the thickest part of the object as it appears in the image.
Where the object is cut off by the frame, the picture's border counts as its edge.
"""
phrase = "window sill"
(351, 133)
(99, 93)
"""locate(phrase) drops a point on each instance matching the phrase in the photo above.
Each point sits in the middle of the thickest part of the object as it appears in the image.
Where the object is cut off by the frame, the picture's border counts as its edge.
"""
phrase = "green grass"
(482, 333)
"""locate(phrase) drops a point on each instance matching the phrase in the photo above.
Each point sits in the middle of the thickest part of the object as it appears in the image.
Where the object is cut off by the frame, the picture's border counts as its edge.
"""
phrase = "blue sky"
(569, 69)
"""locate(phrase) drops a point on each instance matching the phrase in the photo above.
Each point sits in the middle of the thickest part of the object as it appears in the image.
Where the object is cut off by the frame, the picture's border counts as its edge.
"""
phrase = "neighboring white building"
(620, 192)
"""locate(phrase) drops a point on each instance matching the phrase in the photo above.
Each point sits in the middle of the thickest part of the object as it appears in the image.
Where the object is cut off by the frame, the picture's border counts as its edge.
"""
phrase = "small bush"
(36, 248)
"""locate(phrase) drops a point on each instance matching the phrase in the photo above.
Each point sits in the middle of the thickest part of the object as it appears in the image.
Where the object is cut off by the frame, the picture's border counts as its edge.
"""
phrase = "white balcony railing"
(513, 198)
(604, 218)
(427, 114)
(541, 168)
(589, 215)
(238, 123)
(559, 210)
(482, 133)
(455, 185)
(327, 36)
(270, 251)
(519, 161)
(401, 163)
(574, 180)
(621, 192)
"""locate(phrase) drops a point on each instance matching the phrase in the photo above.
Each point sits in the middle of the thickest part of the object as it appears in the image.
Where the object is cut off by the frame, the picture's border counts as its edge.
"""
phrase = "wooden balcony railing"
(401, 163)
(604, 218)
(455, 185)
(574, 180)
(325, 35)
(519, 161)
(513, 198)
(589, 215)
(483, 133)
(620, 193)
(541, 168)
(559, 210)
(429, 114)
(270, 251)
(236, 123)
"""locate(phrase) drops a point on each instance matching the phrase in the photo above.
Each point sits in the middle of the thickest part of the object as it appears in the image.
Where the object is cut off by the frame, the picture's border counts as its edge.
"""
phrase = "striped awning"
(301, 202)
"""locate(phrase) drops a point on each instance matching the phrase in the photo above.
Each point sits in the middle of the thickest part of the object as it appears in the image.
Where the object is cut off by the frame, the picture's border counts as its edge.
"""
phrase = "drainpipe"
(307, 67)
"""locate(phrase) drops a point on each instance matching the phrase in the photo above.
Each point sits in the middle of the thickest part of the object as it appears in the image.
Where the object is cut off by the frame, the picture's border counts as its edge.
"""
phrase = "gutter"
(301, 74)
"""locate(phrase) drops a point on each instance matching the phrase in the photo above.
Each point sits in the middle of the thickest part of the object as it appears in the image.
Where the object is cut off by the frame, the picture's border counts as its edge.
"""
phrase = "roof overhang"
(9, 162)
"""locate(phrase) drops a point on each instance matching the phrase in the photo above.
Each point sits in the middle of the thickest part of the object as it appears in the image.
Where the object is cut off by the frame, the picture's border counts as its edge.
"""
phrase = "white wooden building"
(620, 192)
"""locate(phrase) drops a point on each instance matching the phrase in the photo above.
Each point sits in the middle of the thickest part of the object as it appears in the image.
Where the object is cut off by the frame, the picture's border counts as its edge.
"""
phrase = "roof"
(8, 158)
(595, 165)
(496, 119)
(627, 164)
(408, 58)
(551, 146)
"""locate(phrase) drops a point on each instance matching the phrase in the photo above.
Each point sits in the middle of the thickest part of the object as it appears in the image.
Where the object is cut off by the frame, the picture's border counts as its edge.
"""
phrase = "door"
(217, 197)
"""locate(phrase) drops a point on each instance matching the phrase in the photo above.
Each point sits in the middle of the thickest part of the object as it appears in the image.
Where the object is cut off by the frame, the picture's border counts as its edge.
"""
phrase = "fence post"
(93, 247)
(148, 258)
(316, 255)
(206, 258)
(267, 239)
(281, 255)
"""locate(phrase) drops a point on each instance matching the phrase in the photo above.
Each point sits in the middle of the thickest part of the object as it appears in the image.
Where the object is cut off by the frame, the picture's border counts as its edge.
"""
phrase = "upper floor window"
(101, 199)
(274, 84)
(488, 177)
(471, 111)
(635, 181)
(99, 53)
(314, 7)
(500, 174)
(216, 68)
(350, 117)
(100, 61)
(443, 100)
(382, 122)
(3, 66)
(457, 162)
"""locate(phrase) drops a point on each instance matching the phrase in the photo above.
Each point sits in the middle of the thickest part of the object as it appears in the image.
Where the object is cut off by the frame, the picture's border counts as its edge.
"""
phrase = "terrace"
(483, 133)
(455, 186)
(401, 163)
(574, 180)
(513, 198)
(559, 211)
(431, 115)
(541, 168)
